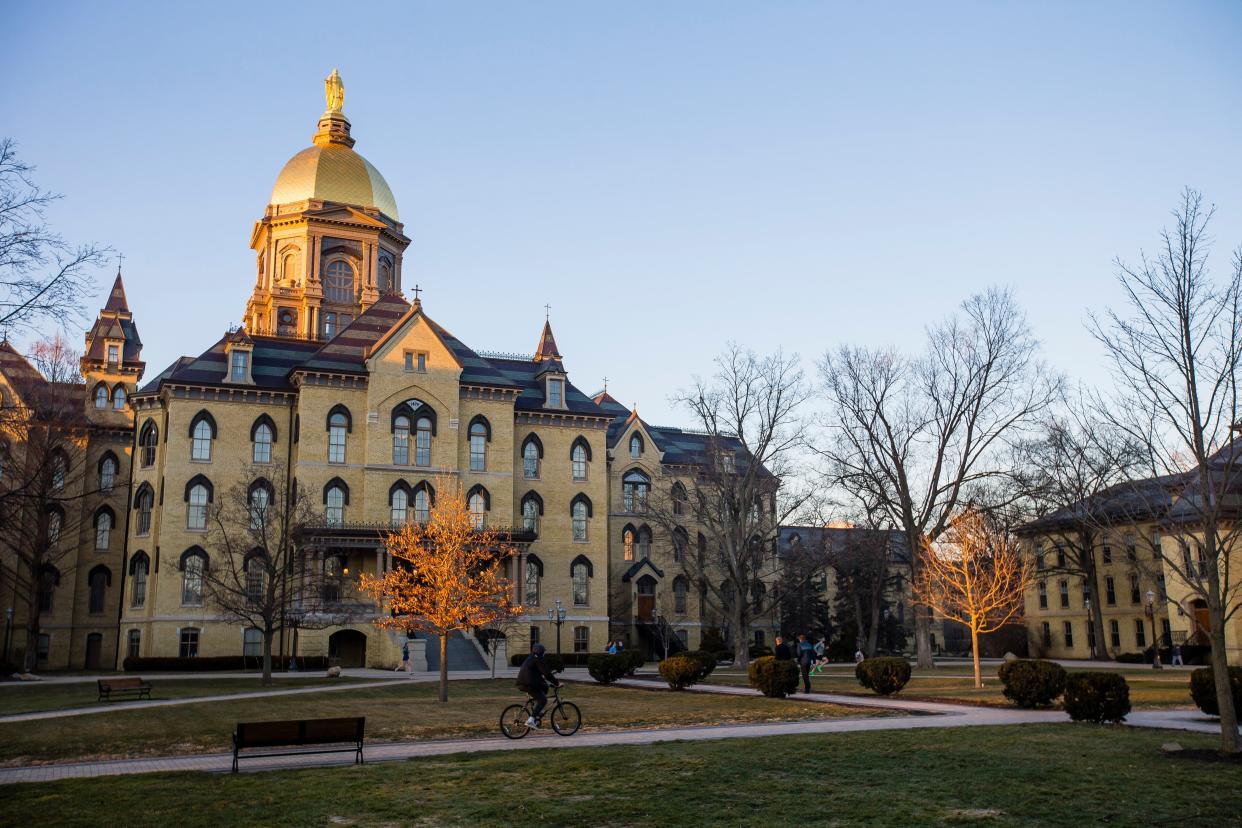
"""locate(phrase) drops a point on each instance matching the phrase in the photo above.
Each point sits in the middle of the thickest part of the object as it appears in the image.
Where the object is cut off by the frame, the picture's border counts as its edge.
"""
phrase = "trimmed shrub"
(759, 650)
(1032, 683)
(1130, 658)
(205, 664)
(681, 671)
(1203, 689)
(606, 668)
(774, 679)
(712, 641)
(636, 659)
(706, 660)
(885, 676)
(1096, 697)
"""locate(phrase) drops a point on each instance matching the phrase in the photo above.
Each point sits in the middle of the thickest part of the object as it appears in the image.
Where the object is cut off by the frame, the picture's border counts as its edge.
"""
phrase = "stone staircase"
(462, 653)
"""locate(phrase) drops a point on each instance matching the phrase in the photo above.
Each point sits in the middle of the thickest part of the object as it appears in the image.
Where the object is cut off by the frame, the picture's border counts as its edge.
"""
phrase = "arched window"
(289, 267)
(627, 543)
(101, 396)
(680, 499)
(681, 541)
(339, 424)
(580, 512)
(680, 588)
(634, 488)
(422, 442)
(532, 453)
(49, 579)
(54, 520)
(118, 398)
(103, 528)
(579, 457)
(532, 508)
(256, 576)
(533, 574)
(385, 277)
(193, 565)
(335, 499)
(147, 441)
(636, 446)
(644, 543)
(478, 501)
(480, 435)
(144, 500)
(260, 499)
(202, 432)
(197, 499)
(329, 325)
(401, 440)
(139, 569)
(262, 435)
(99, 580)
(424, 494)
(580, 575)
(338, 283)
(107, 473)
(399, 504)
(60, 468)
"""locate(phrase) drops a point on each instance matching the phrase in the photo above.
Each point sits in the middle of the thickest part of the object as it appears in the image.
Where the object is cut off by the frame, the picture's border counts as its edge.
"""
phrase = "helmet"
(538, 650)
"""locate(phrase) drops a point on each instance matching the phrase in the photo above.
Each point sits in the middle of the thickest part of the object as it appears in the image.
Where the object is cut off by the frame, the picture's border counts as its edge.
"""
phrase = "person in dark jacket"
(533, 678)
(782, 652)
(806, 658)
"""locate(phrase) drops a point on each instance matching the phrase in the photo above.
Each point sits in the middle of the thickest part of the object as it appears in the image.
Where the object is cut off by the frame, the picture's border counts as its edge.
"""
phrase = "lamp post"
(1090, 629)
(1155, 639)
(557, 616)
(8, 630)
(295, 619)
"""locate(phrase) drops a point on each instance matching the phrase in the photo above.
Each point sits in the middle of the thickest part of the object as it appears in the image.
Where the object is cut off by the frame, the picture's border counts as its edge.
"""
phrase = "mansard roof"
(114, 322)
(678, 446)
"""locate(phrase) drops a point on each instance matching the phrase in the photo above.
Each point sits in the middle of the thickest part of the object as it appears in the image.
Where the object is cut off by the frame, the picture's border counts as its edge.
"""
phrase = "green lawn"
(404, 711)
(29, 697)
(1148, 688)
(1034, 775)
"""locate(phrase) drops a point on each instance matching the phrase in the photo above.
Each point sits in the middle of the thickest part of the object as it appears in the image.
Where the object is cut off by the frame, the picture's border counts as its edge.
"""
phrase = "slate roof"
(832, 539)
(114, 322)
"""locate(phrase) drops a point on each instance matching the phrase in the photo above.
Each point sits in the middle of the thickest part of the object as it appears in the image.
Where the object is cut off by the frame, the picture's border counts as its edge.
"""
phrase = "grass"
(30, 697)
(1148, 688)
(404, 711)
(1032, 775)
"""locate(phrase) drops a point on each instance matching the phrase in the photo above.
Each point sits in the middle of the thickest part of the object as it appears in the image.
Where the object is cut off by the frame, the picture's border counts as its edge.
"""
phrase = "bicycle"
(565, 716)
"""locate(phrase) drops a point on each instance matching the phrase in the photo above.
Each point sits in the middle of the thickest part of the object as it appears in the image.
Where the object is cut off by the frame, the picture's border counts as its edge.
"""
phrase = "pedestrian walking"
(821, 657)
(859, 658)
(612, 648)
(806, 657)
(1177, 655)
(782, 651)
(405, 657)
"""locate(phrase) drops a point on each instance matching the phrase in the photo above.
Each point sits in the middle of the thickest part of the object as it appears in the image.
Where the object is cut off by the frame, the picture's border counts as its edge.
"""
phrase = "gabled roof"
(638, 566)
(547, 344)
(115, 322)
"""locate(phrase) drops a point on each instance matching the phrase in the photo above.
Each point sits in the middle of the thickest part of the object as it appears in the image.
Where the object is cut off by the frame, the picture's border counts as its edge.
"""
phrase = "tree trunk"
(268, 635)
(1220, 677)
(873, 629)
(443, 667)
(974, 652)
(922, 639)
(1097, 622)
(741, 645)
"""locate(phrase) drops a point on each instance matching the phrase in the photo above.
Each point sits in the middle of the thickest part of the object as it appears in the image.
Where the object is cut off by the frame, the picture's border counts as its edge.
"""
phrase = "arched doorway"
(646, 598)
(1203, 624)
(94, 650)
(347, 648)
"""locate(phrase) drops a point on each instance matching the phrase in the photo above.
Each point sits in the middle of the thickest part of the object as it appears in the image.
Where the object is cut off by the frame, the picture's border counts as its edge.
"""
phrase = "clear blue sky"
(667, 176)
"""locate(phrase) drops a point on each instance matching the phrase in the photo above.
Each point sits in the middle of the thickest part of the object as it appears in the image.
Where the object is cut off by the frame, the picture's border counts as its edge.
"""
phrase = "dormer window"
(556, 393)
(114, 354)
(636, 447)
(239, 366)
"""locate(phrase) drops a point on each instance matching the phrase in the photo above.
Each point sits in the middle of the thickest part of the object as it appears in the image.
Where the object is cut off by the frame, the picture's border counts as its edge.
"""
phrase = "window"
(118, 398)
(1131, 549)
(147, 441)
(1106, 552)
(1135, 597)
(1043, 595)
(422, 506)
(534, 571)
(1110, 590)
(329, 325)
(48, 579)
(422, 442)
(98, 583)
(680, 499)
(627, 542)
(579, 511)
(556, 393)
(680, 543)
(1090, 635)
(582, 639)
(338, 424)
(1140, 632)
(579, 573)
(338, 283)
(420, 363)
(531, 454)
(399, 504)
(1155, 543)
(260, 498)
(202, 434)
(478, 446)
(477, 504)
(334, 502)
(114, 354)
(636, 447)
(1166, 632)
(644, 543)
(679, 595)
(1047, 634)
(1069, 636)
(1040, 562)
(107, 474)
(133, 643)
(401, 441)
(330, 590)
(144, 501)
(60, 467)
(196, 511)
(252, 643)
(192, 581)
(534, 636)
(262, 443)
(1164, 595)
(138, 584)
(1114, 633)
(1060, 557)
(103, 530)
(532, 506)
(634, 488)
(684, 638)
(578, 459)
(1086, 593)
(53, 528)
(255, 579)
(239, 365)
(189, 643)
(760, 638)
(1064, 589)
(101, 396)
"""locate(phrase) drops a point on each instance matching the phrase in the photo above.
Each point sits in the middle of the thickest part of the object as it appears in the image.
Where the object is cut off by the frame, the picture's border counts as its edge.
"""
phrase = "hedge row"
(559, 662)
(136, 664)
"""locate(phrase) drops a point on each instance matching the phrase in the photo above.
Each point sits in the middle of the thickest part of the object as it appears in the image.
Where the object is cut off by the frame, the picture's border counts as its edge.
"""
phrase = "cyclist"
(533, 678)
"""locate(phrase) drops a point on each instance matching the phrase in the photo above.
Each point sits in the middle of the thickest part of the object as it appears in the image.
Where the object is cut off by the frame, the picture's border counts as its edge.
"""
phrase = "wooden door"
(646, 608)
(1203, 625)
(94, 648)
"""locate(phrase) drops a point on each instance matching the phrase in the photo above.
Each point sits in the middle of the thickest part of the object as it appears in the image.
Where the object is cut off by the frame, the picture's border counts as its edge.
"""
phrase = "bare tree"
(264, 576)
(1175, 352)
(738, 495)
(42, 277)
(975, 575)
(861, 562)
(915, 436)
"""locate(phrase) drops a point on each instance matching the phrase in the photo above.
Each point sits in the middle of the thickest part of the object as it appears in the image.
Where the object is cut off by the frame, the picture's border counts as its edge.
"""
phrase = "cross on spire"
(547, 313)
(417, 291)
(120, 260)
(605, 385)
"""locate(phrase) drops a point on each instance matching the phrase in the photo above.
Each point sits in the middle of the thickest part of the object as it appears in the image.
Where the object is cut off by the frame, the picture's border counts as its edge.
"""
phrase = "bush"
(884, 676)
(774, 679)
(135, 664)
(636, 659)
(681, 671)
(713, 641)
(759, 650)
(606, 668)
(706, 660)
(1203, 689)
(1130, 658)
(1032, 683)
(722, 655)
(1097, 697)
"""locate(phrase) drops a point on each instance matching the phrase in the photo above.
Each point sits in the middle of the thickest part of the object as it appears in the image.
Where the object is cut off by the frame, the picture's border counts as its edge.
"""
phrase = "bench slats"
(299, 733)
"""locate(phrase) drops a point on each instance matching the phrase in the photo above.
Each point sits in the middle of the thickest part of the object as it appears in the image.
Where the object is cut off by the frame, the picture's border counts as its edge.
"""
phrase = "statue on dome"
(334, 91)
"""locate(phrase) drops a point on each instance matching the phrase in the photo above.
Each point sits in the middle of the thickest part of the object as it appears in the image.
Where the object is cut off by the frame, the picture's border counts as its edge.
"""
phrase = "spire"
(117, 302)
(547, 349)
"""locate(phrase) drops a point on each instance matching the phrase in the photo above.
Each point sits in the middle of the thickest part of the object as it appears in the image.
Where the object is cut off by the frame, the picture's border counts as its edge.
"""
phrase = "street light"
(557, 616)
(1155, 640)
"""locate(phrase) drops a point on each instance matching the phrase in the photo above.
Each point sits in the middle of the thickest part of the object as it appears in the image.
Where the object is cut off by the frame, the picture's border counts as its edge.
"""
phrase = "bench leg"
(360, 760)
(234, 760)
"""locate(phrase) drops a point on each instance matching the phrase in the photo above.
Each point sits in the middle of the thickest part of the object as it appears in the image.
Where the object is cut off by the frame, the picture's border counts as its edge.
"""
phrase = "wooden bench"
(123, 687)
(295, 734)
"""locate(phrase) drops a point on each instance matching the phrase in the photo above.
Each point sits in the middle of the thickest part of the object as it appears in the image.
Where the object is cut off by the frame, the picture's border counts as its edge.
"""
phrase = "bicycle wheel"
(566, 718)
(513, 721)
